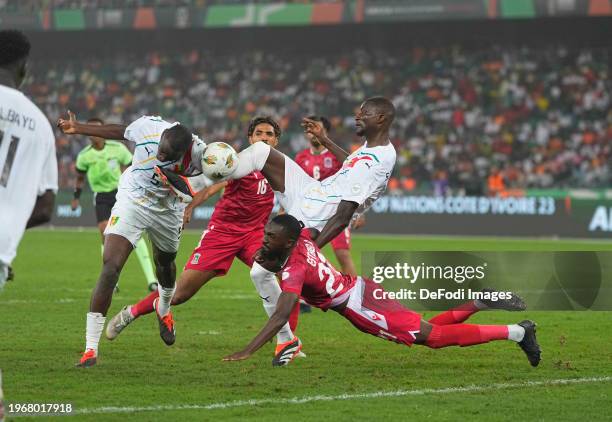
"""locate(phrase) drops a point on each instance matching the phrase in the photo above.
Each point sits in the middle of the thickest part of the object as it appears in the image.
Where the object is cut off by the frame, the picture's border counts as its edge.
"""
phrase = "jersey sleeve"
(361, 181)
(145, 128)
(48, 177)
(81, 164)
(292, 277)
(197, 150)
(125, 156)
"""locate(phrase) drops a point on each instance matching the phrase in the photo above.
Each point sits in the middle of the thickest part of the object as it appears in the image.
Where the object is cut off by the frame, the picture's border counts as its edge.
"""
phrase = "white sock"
(199, 182)
(516, 333)
(95, 325)
(269, 291)
(165, 297)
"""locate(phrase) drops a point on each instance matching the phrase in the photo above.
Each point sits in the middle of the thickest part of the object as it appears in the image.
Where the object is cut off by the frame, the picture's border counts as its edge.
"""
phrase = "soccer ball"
(219, 160)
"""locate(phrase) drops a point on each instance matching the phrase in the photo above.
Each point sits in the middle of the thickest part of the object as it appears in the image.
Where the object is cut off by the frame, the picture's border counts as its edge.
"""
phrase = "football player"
(28, 165)
(291, 251)
(143, 204)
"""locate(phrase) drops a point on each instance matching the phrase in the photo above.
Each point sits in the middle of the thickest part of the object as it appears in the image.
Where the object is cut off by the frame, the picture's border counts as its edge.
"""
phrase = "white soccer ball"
(219, 160)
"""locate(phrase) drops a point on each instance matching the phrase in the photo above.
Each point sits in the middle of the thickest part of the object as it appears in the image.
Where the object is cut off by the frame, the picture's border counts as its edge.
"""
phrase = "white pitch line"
(308, 399)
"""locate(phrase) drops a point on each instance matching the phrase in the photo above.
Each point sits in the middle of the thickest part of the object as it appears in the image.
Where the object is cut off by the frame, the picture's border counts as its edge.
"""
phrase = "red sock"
(293, 317)
(465, 335)
(455, 315)
(145, 306)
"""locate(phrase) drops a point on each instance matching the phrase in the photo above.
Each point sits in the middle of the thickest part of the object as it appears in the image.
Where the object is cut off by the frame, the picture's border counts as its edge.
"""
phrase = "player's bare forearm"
(334, 148)
(102, 131)
(286, 303)
(206, 193)
(80, 180)
(43, 210)
(337, 223)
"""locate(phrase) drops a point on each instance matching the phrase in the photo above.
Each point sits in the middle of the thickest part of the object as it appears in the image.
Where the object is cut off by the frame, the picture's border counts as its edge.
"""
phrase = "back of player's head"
(179, 137)
(95, 120)
(14, 47)
(382, 105)
(291, 225)
(324, 120)
(264, 119)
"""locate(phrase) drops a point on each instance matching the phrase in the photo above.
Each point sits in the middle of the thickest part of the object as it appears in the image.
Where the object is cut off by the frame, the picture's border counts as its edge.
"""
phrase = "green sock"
(142, 252)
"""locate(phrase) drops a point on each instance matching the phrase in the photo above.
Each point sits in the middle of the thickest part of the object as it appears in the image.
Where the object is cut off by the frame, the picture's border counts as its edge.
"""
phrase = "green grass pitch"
(347, 375)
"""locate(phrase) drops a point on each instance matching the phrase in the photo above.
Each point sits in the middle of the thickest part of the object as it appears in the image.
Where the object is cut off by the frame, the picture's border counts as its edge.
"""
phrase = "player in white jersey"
(143, 204)
(327, 205)
(28, 166)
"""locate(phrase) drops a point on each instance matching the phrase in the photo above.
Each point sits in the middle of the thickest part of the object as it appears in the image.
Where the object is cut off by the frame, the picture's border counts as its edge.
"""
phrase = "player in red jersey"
(290, 251)
(234, 230)
(319, 163)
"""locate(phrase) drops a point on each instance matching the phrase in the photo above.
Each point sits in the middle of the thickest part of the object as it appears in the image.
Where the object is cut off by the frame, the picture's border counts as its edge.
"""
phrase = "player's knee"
(163, 259)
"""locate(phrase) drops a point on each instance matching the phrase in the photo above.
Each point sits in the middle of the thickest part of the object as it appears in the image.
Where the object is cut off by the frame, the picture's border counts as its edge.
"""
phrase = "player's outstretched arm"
(43, 209)
(286, 303)
(71, 126)
(318, 131)
(200, 198)
(339, 221)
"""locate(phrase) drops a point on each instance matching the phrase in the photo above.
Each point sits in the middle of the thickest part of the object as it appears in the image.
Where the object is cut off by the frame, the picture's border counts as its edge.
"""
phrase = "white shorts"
(300, 197)
(129, 220)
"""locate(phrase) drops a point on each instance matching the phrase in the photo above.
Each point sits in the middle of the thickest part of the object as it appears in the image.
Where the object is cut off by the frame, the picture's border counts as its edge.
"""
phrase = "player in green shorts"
(103, 162)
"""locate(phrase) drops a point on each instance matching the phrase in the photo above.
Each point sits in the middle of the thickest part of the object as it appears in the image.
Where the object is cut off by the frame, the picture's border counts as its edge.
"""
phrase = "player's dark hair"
(322, 119)
(382, 105)
(14, 46)
(264, 119)
(179, 137)
(95, 120)
(291, 225)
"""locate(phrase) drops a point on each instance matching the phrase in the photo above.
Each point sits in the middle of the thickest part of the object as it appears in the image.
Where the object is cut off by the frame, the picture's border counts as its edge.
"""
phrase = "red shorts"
(386, 318)
(217, 250)
(343, 240)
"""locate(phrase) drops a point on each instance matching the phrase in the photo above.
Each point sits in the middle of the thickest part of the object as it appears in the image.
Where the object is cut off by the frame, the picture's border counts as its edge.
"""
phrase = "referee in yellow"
(103, 161)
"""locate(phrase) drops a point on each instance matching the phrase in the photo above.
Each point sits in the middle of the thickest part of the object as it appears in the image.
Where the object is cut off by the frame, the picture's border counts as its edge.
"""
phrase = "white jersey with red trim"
(28, 166)
(139, 182)
(362, 179)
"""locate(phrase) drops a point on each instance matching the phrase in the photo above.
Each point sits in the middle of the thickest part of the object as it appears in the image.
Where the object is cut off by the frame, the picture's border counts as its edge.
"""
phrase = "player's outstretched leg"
(257, 157)
(166, 276)
(462, 312)
(438, 336)
(116, 251)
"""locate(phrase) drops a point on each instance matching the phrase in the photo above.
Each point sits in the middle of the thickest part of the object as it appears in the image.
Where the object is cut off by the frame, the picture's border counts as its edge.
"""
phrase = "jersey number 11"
(10, 157)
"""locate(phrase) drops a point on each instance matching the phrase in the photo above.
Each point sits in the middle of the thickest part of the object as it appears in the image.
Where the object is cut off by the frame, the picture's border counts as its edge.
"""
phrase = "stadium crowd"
(468, 121)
